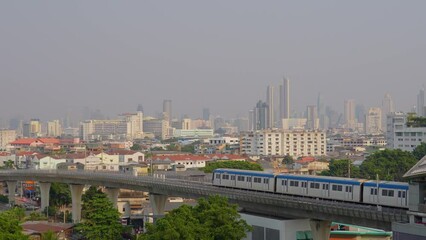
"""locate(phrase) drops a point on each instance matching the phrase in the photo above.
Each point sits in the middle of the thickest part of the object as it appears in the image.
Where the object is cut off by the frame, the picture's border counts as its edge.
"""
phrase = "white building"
(158, 127)
(373, 121)
(129, 127)
(295, 143)
(50, 162)
(294, 123)
(401, 136)
(6, 137)
(222, 140)
(54, 128)
(193, 133)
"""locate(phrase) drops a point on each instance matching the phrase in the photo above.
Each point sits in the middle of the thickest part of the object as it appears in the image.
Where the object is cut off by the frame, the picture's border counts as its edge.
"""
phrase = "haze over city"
(59, 57)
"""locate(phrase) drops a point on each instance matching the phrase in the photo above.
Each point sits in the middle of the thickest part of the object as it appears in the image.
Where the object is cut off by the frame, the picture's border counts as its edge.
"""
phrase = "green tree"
(4, 198)
(420, 151)
(213, 218)
(390, 165)
(49, 235)
(288, 159)
(189, 148)
(340, 168)
(60, 194)
(10, 226)
(101, 220)
(36, 216)
(136, 147)
(92, 193)
(9, 164)
(211, 166)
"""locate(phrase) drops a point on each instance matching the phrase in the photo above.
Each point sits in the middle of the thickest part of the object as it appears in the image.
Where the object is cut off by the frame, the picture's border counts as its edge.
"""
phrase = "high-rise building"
(167, 111)
(400, 135)
(312, 122)
(285, 99)
(373, 121)
(186, 124)
(6, 137)
(206, 114)
(54, 128)
(387, 108)
(261, 113)
(32, 128)
(270, 102)
(349, 114)
(421, 103)
(158, 127)
(140, 108)
(251, 120)
(323, 121)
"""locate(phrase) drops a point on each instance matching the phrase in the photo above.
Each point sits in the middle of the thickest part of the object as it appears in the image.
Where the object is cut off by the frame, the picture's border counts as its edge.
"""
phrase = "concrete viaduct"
(322, 212)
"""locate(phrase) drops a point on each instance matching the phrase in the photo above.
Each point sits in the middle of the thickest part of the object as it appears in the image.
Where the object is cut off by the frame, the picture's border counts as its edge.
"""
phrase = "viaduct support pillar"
(158, 203)
(112, 194)
(320, 229)
(76, 192)
(44, 192)
(11, 188)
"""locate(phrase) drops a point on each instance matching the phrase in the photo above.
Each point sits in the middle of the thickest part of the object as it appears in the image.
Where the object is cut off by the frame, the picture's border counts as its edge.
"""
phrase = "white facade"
(373, 121)
(54, 128)
(294, 123)
(222, 140)
(6, 137)
(399, 136)
(130, 126)
(193, 133)
(50, 163)
(295, 143)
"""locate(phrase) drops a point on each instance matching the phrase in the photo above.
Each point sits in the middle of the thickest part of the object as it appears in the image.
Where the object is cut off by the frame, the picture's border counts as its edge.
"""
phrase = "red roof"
(305, 160)
(175, 158)
(4, 154)
(23, 141)
(121, 152)
(49, 140)
(26, 153)
(42, 227)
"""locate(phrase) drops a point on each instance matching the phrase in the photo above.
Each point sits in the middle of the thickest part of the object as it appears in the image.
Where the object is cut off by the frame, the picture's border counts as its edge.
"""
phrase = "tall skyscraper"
(285, 99)
(167, 111)
(206, 114)
(349, 115)
(261, 115)
(373, 121)
(323, 119)
(387, 108)
(421, 102)
(251, 120)
(54, 128)
(140, 108)
(270, 102)
(312, 122)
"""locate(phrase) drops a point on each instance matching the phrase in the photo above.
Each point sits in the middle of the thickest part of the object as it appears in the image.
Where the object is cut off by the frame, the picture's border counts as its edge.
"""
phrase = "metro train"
(383, 193)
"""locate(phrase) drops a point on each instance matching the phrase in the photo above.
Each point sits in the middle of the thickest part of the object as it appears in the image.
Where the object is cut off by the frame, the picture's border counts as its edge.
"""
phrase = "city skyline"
(113, 57)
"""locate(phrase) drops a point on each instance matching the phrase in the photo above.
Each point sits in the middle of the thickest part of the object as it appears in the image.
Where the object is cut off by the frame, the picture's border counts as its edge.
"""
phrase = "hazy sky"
(59, 56)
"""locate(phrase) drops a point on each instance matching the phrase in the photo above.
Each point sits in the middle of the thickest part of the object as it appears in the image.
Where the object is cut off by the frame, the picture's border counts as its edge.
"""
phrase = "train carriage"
(394, 194)
(244, 179)
(345, 189)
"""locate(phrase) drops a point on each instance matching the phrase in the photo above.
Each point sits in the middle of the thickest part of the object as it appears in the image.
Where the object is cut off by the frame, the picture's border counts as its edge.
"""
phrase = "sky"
(57, 57)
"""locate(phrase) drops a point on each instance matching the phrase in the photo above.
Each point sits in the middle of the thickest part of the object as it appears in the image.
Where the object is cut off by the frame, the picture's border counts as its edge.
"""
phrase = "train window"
(337, 188)
(399, 194)
(257, 180)
(348, 188)
(294, 183)
(317, 185)
(248, 179)
(240, 178)
(233, 177)
(390, 193)
(225, 176)
(384, 192)
(266, 181)
(217, 176)
(284, 182)
(325, 186)
(312, 185)
(403, 194)
(304, 184)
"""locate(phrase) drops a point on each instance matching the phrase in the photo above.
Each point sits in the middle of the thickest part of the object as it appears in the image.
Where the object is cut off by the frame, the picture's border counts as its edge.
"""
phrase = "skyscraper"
(270, 102)
(323, 120)
(167, 111)
(421, 102)
(373, 121)
(54, 128)
(349, 115)
(261, 115)
(140, 108)
(312, 117)
(285, 99)
(206, 114)
(387, 108)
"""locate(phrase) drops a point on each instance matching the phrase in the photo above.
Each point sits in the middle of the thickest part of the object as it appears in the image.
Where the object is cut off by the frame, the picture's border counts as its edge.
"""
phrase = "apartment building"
(6, 137)
(295, 143)
(404, 132)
